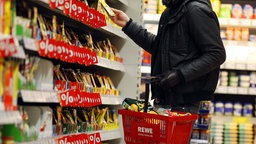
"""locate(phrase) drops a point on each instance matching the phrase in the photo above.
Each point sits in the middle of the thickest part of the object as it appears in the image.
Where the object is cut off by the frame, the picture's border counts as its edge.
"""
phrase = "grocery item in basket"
(136, 105)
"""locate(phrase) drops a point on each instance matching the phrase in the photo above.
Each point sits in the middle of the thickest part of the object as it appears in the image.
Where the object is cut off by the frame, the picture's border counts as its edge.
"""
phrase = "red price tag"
(46, 48)
(70, 8)
(56, 3)
(79, 138)
(7, 47)
(78, 98)
(94, 138)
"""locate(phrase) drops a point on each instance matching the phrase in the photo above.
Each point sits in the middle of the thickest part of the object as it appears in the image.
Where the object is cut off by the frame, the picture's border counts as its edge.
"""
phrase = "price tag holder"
(223, 21)
(251, 66)
(240, 66)
(222, 89)
(242, 90)
(245, 22)
(253, 22)
(233, 22)
(232, 90)
(30, 44)
(230, 65)
(252, 91)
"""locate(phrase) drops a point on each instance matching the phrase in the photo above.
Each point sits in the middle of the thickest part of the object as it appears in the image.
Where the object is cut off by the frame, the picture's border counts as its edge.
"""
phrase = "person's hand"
(120, 18)
(169, 80)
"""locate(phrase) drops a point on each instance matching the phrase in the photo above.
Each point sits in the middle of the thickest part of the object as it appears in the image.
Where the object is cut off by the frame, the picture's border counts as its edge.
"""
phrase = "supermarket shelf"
(233, 22)
(239, 43)
(10, 117)
(39, 96)
(151, 18)
(105, 135)
(223, 119)
(110, 134)
(235, 90)
(198, 141)
(111, 100)
(10, 47)
(31, 44)
(103, 62)
(114, 30)
(145, 69)
(109, 29)
(30, 96)
(239, 66)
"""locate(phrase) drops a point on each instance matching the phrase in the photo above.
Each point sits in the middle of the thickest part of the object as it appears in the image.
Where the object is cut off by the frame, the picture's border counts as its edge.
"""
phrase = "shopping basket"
(146, 128)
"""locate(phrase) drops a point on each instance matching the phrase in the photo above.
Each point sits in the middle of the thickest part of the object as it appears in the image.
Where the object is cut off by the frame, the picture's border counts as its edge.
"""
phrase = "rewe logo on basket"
(145, 130)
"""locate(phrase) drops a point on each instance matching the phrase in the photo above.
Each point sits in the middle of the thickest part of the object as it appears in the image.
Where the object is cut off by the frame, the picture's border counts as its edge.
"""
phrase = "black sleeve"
(139, 35)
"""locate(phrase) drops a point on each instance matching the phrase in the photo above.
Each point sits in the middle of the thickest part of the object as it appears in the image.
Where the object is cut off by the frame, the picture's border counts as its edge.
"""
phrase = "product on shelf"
(216, 4)
(237, 11)
(225, 10)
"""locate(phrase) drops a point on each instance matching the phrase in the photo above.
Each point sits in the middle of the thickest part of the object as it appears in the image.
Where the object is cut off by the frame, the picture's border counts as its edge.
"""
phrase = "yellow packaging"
(107, 8)
(160, 7)
(216, 6)
(7, 17)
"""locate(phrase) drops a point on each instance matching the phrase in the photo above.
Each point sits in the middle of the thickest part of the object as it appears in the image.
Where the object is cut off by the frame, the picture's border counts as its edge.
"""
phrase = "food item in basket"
(135, 105)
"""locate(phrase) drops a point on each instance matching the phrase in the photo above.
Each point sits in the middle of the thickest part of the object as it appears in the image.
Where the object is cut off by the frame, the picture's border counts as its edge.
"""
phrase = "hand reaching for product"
(120, 17)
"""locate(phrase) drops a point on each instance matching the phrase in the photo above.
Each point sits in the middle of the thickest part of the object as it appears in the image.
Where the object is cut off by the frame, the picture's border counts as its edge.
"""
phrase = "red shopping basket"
(145, 128)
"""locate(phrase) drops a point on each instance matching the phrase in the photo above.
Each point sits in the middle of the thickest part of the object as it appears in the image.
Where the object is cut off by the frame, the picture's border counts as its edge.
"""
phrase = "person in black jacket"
(186, 52)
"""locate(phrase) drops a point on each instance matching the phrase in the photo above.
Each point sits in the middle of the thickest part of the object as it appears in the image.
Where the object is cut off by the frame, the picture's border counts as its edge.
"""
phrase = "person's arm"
(136, 32)
(204, 30)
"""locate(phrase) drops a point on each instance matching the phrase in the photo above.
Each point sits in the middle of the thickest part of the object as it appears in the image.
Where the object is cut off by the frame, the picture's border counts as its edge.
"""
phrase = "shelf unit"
(124, 75)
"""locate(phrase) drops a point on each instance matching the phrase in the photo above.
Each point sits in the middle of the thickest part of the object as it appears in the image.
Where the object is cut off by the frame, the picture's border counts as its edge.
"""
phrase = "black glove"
(169, 80)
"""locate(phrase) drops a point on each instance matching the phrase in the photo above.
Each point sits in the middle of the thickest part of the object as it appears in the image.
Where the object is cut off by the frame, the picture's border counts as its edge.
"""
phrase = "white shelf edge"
(30, 44)
(145, 69)
(105, 135)
(233, 22)
(235, 90)
(111, 100)
(239, 66)
(104, 62)
(151, 18)
(10, 117)
(239, 43)
(39, 96)
(114, 30)
(110, 134)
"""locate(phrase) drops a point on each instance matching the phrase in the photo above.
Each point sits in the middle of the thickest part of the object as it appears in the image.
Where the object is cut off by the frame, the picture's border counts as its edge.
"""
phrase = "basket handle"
(148, 80)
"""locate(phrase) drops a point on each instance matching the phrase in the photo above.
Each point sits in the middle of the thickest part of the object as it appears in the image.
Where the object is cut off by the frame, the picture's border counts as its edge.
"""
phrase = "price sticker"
(245, 22)
(240, 66)
(222, 89)
(253, 22)
(30, 44)
(241, 120)
(252, 91)
(242, 90)
(251, 66)
(233, 22)
(223, 21)
(232, 90)
(230, 65)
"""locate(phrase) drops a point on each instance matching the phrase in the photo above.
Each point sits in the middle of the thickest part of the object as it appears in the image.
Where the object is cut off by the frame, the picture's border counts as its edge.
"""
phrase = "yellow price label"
(241, 120)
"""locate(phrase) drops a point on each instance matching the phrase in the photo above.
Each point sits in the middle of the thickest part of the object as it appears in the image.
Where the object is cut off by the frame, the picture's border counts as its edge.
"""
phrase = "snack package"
(135, 105)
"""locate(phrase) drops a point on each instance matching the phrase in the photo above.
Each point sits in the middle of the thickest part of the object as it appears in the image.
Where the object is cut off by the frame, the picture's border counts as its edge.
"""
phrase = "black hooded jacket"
(188, 40)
